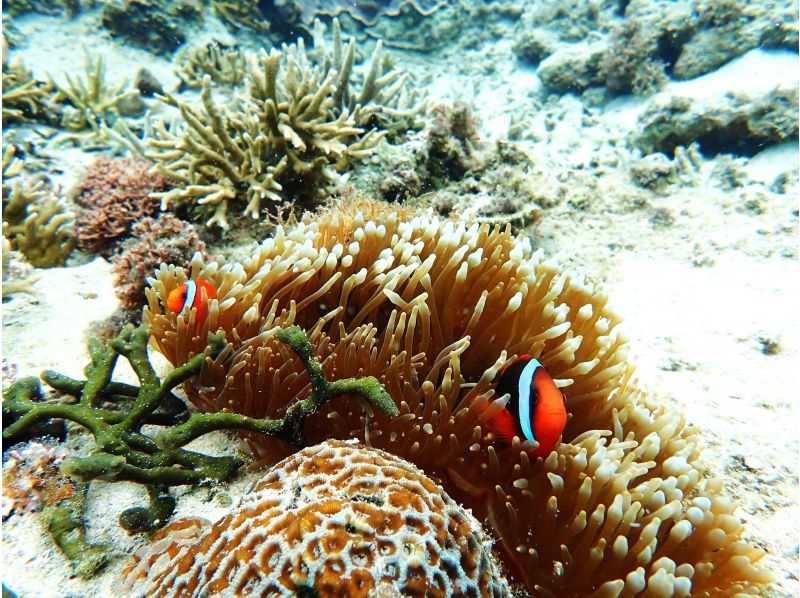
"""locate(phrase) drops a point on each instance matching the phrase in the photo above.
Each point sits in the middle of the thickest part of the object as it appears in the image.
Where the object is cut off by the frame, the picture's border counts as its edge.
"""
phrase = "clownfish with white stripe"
(190, 295)
(536, 408)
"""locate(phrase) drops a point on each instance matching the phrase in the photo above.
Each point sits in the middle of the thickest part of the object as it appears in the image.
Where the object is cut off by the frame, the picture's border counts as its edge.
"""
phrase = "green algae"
(115, 412)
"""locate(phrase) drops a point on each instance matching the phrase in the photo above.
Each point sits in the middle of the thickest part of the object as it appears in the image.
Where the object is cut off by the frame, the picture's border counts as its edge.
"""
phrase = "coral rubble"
(736, 123)
(157, 25)
(434, 310)
(333, 519)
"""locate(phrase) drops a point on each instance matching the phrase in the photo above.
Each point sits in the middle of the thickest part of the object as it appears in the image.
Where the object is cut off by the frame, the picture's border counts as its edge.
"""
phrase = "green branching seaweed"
(115, 413)
(290, 428)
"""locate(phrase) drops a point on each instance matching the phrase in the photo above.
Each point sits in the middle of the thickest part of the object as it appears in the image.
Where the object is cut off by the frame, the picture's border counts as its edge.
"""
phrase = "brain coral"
(341, 518)
(434, 309)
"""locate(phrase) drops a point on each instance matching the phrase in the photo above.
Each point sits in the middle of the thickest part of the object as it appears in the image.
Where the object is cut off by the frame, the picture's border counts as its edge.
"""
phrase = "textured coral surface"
(114, 193)
(341, 518)
(434, 309)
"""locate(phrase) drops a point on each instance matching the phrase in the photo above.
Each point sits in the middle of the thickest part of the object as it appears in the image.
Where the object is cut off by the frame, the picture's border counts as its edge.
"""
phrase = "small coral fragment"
(336, 519)
(31, 478)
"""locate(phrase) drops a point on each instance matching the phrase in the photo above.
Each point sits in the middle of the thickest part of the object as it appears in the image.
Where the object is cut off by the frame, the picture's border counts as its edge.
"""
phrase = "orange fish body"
(536, 409)
(190, 295)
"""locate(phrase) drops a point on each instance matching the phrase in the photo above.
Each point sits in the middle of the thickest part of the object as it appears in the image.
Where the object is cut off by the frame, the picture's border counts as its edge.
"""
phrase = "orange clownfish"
(536, 409)
(189, 295)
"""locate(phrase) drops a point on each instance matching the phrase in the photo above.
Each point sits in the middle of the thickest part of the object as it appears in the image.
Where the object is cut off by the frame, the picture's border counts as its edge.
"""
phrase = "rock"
(572, 68)
(736, 123)
(147, 84)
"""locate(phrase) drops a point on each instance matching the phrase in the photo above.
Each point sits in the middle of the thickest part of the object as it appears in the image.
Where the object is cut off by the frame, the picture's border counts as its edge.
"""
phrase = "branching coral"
(113, 195)
(34, 222)
(24, 97)
(434, 310)
(92, 101)
(115, 412)
(224, 64)
(338, 518)
(297, 125)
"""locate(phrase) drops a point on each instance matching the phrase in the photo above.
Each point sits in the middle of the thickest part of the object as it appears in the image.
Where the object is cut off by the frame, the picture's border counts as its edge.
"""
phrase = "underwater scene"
(400, 298)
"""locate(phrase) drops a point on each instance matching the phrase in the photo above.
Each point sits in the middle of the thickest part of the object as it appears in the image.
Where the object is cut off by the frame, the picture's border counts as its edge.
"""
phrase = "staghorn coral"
(333, 519)
(297, 125)
(34, 221)
(113, 195)
(225, 65)
(24, 98)
(152, 242)
(92, 101)
(434, 309)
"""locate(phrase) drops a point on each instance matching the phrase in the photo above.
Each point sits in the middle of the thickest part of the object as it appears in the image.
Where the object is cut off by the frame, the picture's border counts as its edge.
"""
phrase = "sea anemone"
(434, 309)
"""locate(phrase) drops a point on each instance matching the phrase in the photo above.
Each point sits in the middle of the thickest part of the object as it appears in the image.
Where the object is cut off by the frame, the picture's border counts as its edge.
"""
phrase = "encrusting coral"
(434, 309)
(297, 125)
(113, 194)
(338, 518)
(152, 242)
